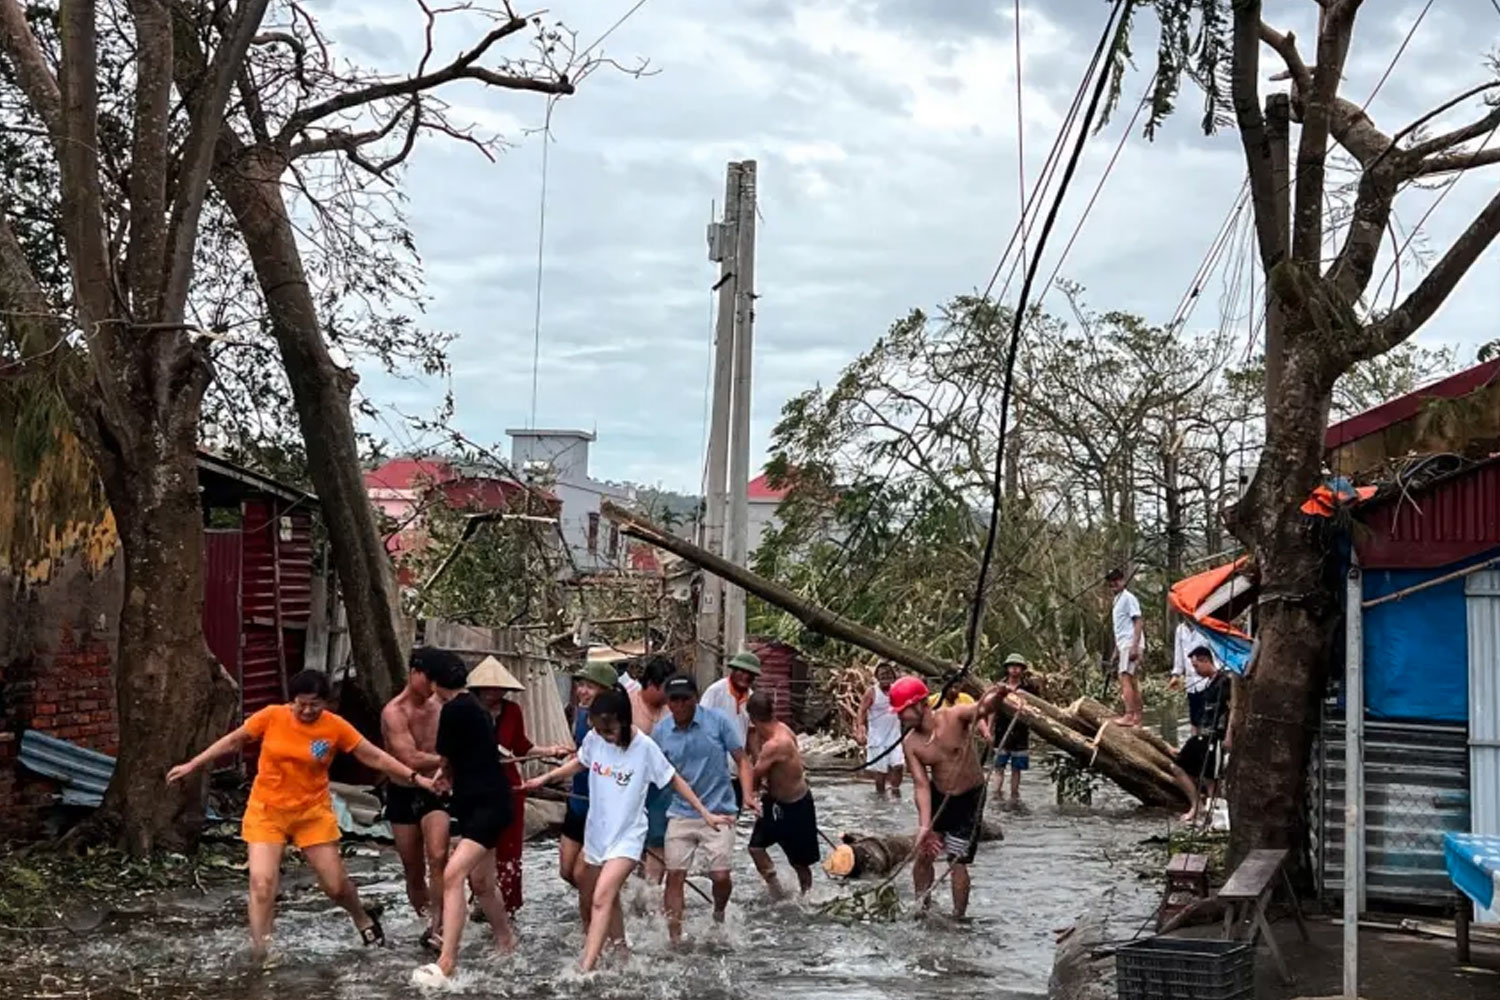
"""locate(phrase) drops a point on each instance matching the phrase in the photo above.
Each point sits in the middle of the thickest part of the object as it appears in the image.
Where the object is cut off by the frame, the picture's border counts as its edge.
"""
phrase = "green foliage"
(489, 582)
(1193, 41)
(1075, 783)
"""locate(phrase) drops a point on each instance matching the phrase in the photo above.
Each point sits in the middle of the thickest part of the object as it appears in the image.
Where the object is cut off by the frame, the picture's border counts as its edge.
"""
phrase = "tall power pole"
(737, 547)
(721, 248)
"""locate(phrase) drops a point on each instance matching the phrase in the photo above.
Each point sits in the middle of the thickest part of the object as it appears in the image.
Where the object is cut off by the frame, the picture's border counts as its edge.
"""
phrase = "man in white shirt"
(1130, 642)
(1185, 641)
(730, 695)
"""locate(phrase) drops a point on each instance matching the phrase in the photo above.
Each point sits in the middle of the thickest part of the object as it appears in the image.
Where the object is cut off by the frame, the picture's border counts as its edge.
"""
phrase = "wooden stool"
(1247, 894)
(1187, 882)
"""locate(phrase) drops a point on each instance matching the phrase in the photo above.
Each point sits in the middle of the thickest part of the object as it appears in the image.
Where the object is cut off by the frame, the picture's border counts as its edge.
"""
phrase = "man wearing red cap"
(947, 782)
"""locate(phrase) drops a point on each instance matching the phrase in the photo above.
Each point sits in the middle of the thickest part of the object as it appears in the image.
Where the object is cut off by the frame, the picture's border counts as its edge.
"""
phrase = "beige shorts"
(1127, 665)
(694, 845)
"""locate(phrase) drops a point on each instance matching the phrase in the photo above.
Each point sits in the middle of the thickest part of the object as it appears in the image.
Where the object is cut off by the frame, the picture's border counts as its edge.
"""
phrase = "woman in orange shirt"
(290, 803)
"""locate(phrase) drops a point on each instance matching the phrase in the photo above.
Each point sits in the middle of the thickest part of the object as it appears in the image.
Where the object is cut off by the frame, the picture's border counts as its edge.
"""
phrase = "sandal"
(429, 942)
(373, 934)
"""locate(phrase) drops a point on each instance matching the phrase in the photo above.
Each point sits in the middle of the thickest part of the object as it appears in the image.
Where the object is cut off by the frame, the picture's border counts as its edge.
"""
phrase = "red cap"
(906, 692)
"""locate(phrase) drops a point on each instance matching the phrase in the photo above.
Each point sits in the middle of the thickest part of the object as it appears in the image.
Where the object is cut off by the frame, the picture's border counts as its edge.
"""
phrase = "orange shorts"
(307, 827)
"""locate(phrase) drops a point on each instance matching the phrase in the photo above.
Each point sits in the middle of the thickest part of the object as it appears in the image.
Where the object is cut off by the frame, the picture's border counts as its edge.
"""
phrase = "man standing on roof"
(1130, 643)
(947, 782)
(729, 696)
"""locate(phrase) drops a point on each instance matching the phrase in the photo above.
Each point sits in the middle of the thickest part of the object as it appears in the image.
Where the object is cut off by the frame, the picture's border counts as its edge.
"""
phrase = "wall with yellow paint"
(51, 509)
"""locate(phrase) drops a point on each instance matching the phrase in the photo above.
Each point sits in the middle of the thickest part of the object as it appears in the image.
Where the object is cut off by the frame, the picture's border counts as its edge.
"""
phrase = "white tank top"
(880, 709)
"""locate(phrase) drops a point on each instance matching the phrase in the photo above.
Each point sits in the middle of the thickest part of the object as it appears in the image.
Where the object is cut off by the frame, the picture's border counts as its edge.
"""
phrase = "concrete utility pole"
(721, 248)
(1278, 135)
(737, 548)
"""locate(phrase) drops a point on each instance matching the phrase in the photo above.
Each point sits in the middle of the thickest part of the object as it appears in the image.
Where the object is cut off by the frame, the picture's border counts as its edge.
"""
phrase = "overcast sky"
(886, 136)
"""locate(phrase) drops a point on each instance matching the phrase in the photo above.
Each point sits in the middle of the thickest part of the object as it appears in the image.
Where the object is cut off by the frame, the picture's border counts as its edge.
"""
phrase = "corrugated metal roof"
(1405, 407)
(83, 774)
(1451, 519)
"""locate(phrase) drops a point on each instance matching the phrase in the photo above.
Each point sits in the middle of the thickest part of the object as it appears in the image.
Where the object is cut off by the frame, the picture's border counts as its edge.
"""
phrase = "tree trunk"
(379, 633)
(1276, 707)
(172, 697)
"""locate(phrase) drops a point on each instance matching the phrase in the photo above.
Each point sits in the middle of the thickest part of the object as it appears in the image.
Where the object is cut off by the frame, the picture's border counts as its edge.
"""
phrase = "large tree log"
(1093, 714)
(1133, 765)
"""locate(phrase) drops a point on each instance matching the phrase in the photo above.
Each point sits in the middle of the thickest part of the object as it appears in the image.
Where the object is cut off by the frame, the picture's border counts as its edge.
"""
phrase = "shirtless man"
(941, 740)
(419, 819)
(787, 815)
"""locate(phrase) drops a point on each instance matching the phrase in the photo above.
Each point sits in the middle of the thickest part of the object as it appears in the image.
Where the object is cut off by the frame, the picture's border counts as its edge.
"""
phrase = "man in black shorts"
(481, 805)
(788, 816)
(1199, 758)
(419, 819)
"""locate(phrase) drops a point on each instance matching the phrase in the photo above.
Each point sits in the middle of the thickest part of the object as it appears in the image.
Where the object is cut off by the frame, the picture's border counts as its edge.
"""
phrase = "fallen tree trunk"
(1094, 714)
(1133, 764)
(880, 854)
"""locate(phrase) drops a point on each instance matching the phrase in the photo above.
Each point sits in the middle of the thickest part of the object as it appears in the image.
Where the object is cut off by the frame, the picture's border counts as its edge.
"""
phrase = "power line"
(971, 642)
(541, 239)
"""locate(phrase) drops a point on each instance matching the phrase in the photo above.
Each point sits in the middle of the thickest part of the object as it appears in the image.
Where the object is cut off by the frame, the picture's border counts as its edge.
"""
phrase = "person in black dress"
(481, 805)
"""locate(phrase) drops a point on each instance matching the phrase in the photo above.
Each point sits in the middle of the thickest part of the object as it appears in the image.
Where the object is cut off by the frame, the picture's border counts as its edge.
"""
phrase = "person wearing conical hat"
(419, 819)
(493, 685)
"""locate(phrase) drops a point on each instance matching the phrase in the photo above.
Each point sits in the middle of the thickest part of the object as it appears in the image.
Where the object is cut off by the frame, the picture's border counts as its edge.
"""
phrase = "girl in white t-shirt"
(623, 764)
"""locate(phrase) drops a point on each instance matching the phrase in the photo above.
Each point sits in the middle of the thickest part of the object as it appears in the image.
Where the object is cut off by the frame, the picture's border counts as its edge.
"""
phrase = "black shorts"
(573, 823)
(1199, 757)
(484, 822)
(407, 806)
(793, 826)
(739, 794)
(956, 820)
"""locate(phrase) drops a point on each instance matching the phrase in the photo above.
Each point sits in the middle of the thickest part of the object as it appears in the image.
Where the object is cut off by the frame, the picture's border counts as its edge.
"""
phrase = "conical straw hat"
(492, 674)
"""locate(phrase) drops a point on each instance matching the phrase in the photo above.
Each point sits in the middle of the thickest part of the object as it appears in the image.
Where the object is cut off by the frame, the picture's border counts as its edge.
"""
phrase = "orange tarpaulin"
(1188, 594)
(1324, 501)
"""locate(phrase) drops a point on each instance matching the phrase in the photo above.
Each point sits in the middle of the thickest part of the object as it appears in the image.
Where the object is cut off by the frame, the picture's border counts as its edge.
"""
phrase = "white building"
(762, 501)
(559, 460)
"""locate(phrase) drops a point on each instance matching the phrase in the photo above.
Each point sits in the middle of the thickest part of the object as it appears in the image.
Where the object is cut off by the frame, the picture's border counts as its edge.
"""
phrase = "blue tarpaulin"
(1416, 655)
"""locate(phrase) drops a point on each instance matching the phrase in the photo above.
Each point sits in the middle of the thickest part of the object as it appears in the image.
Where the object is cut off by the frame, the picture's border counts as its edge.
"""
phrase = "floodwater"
(1052, 865)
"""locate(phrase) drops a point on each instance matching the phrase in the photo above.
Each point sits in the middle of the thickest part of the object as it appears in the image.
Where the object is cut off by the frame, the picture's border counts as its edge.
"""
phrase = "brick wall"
(57, 645)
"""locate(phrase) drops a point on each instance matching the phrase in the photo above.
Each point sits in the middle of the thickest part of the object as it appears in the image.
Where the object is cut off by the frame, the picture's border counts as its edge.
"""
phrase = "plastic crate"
(1163, 968)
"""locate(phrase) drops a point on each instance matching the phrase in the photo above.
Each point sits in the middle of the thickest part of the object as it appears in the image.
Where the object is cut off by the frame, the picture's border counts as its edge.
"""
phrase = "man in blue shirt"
(700, 743)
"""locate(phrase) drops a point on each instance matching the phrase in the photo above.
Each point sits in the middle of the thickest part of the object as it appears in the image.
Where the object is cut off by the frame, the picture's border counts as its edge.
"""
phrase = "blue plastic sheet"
(1416, 650)
(1232, 651)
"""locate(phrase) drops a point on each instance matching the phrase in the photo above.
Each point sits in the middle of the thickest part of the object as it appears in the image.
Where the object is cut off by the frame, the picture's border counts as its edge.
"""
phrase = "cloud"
(887, 143)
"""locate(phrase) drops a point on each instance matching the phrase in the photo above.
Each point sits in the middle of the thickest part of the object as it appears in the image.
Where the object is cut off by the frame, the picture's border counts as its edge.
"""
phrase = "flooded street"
(1051, 866)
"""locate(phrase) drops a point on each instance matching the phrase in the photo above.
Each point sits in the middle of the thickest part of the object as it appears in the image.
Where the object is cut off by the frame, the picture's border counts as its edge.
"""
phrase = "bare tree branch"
(1458, 161)
(29, 317)
(1245, 91)
(78, 159)
(145, 253)
(30, 66)
(1458, 136)
(1334, 29)
(1433, 289)
(462, 68)
(198, 153)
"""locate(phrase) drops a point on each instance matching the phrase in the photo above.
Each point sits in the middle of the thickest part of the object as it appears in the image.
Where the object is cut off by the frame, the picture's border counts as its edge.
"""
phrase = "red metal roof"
(761, 489)
(407, 473)
(1405, 407)
(1451, 519)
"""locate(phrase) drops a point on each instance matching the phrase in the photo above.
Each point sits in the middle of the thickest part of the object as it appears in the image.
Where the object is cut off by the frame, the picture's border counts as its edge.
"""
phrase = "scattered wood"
(1131, 758)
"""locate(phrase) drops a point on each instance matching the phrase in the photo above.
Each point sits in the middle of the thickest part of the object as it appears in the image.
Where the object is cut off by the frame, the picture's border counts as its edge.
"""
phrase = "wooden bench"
(1247, 895)
(1187, 881)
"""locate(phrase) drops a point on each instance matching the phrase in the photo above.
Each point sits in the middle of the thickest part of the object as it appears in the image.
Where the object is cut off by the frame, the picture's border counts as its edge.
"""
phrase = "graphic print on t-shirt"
(622, 778)
(320, 749)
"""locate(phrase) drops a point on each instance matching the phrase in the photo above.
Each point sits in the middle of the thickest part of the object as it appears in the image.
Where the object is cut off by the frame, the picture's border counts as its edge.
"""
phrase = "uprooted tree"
(152, 116)
(1332, 320)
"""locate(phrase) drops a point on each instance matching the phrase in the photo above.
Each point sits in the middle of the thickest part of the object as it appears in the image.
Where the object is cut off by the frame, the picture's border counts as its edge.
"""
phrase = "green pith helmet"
(748, 662)
(1018, 660)
(602, 674)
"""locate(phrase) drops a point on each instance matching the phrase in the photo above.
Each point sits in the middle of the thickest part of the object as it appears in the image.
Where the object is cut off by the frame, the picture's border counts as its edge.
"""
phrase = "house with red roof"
(762, 501)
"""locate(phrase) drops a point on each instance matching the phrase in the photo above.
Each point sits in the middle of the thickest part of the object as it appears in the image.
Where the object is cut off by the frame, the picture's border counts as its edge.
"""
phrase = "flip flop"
(429, 942)
(373, 934)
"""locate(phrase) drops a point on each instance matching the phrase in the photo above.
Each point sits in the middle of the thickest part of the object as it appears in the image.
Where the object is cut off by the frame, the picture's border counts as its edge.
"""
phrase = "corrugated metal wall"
(1416, 789)
(276, 598)
(221, 597)
(1483, 598)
